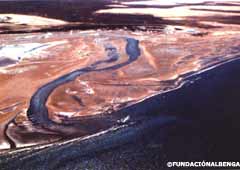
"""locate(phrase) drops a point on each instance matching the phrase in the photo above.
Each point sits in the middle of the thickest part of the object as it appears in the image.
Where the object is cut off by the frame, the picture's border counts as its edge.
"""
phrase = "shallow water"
(147, 82)
(73, 84)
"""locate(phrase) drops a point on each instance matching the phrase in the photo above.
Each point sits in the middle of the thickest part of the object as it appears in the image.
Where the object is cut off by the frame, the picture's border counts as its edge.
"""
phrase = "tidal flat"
(118, 84)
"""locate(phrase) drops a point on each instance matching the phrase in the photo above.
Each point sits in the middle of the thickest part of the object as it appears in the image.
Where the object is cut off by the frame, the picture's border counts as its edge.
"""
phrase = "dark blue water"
(199, 121)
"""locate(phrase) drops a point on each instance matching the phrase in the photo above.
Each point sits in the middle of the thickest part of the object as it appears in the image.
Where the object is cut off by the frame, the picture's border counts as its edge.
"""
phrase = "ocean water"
(111, 98)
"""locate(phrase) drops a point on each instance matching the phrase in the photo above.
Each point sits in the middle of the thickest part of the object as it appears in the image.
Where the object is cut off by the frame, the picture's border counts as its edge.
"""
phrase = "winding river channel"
(38, 112)
(67, 95)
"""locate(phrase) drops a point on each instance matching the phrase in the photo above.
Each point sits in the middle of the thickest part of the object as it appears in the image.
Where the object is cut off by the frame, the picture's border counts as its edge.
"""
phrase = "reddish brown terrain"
(40, 45)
